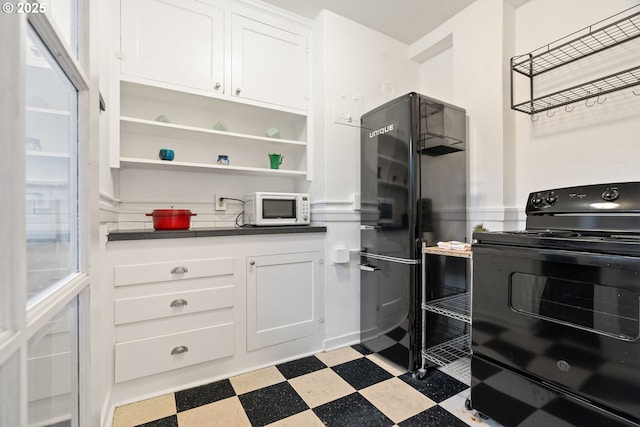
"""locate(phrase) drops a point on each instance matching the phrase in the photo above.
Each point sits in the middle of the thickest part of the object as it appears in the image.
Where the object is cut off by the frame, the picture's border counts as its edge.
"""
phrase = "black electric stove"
(556, 311)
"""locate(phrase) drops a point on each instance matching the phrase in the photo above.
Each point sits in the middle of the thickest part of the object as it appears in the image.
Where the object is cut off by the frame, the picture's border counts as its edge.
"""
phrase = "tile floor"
(345, 387)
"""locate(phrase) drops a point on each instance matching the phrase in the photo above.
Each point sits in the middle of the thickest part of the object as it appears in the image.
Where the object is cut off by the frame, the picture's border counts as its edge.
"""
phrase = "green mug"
(276, 160)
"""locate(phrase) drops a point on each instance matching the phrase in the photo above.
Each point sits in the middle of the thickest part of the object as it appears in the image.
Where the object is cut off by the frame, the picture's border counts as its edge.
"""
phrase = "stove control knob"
(610, 194)
(536, 200)
(551, 198)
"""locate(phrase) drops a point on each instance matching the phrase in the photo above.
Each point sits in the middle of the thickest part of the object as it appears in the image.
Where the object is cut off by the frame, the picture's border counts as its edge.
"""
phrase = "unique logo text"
(381, 131)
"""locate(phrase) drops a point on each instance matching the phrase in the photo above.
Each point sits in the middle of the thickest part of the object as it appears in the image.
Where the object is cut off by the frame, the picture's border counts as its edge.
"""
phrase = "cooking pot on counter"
(171, 219)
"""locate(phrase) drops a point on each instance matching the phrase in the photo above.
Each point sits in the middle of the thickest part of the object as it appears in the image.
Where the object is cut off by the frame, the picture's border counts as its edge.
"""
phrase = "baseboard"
(342, 341)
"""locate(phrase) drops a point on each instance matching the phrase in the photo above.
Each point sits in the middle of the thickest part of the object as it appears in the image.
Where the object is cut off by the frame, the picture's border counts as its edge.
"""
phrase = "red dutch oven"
(171, 219)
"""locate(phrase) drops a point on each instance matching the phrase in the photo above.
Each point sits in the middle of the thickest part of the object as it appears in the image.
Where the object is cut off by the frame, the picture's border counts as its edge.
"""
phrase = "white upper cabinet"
(179, 42)
(268, 64)
(217, 48)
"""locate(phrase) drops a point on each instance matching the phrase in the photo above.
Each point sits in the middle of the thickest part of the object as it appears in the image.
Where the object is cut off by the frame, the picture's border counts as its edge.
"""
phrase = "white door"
(283, 298)
(179, 42)
(268, 64)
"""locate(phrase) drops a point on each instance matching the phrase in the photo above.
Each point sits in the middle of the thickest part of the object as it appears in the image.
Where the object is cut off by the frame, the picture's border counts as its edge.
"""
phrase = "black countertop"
(211, 232)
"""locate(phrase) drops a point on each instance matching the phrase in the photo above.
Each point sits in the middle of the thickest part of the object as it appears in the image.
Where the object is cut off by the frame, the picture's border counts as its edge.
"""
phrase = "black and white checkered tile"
(374, 396)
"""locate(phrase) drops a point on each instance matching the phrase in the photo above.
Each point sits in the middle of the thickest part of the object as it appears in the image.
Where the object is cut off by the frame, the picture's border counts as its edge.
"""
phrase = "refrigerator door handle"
(390, 258)
(369, 267)
(369, 227)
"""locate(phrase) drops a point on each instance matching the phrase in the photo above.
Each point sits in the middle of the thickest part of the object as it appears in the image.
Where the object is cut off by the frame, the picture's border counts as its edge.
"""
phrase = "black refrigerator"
(413, 189)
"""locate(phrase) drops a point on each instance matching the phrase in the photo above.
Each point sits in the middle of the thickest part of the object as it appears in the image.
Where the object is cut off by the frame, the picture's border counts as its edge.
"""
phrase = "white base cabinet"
(282, 298)
(148, 356)
(190, 311)
(149, 294)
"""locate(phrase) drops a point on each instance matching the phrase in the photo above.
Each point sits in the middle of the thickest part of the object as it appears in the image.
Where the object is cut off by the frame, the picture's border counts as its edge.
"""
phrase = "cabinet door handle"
(179, 270)
(179, 350)
(237, 91)
(217, 86)
(178, 303)
(252, 263)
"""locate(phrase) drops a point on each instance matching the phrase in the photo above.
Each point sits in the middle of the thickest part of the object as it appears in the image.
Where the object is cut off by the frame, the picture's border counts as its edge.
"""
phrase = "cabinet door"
(173, 41)
(283, 298)
(268, 64)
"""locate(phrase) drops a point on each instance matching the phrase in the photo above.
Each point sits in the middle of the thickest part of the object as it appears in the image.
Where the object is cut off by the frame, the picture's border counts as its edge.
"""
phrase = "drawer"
(129, 310)
(173, 270)
(135, 359)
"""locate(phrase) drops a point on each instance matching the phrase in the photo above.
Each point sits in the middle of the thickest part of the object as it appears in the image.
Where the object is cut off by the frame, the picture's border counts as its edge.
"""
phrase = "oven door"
(571, 319)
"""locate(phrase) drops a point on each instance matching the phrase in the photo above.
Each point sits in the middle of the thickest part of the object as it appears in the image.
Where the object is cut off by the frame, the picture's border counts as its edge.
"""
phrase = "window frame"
(18, 323)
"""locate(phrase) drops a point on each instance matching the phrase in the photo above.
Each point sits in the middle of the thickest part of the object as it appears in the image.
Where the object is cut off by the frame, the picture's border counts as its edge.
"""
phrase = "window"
(51, 172)
(52, 371)
(44, 270)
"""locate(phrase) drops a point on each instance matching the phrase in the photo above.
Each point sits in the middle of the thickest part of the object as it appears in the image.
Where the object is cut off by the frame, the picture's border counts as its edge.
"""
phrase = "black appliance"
(556, 312)
(413, 189)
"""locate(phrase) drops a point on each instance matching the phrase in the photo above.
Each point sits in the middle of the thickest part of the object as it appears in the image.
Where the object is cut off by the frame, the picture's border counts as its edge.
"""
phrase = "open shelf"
(603, 35)
(192, 128)
(588, 41)
(170, 130)
(182, 166)
(611, 83)
(456, 307)
(434, 250)
(449, 351)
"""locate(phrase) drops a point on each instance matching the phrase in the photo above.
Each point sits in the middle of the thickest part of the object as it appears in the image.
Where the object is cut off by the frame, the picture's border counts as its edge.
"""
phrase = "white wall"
(511, 156)
(462, 62)
(587, 145)
(353, 59)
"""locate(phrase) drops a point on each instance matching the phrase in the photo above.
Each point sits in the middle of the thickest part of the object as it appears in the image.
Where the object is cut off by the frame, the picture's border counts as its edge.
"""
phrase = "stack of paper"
(455, 245)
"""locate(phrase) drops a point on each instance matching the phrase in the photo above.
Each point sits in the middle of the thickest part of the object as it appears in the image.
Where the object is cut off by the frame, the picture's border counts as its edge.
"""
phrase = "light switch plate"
(347, 107)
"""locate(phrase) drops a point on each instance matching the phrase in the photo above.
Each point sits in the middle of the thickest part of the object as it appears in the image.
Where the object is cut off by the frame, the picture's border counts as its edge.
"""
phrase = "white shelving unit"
(190, 132)
(453, 355)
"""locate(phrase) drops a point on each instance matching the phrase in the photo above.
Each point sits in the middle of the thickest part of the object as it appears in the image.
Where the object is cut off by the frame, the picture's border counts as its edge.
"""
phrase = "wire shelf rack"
(449, 351)
(460, 370)
(593, 89)
(605, 34)
(457, 307)
(592, 39)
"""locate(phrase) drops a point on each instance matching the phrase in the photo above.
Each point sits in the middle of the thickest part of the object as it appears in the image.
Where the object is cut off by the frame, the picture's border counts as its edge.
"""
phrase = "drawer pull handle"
(178, 303)
(179, 350)
(179, 270)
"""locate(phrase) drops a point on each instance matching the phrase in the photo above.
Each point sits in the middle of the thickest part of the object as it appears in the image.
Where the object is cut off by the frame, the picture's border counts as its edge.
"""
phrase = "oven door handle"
(561, 256)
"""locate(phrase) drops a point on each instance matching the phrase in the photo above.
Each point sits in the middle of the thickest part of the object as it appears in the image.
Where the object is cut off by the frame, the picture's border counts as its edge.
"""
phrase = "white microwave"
(265, 208)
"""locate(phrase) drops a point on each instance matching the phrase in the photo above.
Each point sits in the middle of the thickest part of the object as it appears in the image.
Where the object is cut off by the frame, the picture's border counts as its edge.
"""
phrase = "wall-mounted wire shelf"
(610, 32)
(593, 89)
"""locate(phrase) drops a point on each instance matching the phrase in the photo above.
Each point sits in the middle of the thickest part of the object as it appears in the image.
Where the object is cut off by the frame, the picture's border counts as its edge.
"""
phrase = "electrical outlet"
(220, 203)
